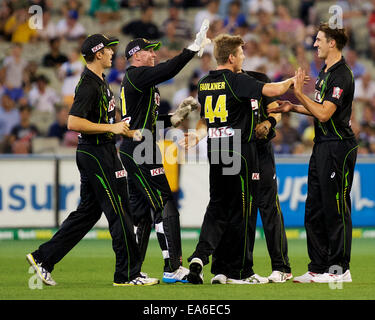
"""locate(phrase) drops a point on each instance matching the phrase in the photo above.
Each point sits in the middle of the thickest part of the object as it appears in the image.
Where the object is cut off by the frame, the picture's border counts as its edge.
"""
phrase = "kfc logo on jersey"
(120, 174)
(157, 171)
(157, 99)
(254, 104)
(337, 92)
(112, 104)
(255, 176)
(222, 132)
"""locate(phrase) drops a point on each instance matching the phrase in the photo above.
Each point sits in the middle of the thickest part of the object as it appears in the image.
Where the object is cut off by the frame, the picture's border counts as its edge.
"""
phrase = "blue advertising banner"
(292, 186)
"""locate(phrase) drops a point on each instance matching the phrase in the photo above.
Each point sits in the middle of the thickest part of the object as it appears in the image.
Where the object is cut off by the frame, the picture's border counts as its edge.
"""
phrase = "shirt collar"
(336, 65)
(94, 76)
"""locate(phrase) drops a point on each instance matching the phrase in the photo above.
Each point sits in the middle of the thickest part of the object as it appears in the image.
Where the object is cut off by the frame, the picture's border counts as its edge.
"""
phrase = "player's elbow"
(72, 124)
(324, 117)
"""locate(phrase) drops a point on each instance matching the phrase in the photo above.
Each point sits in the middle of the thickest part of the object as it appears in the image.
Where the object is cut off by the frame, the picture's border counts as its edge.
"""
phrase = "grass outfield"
(87, 273)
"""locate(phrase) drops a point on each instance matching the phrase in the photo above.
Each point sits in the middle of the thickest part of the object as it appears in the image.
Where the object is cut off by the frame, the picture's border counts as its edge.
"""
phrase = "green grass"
(87, 273)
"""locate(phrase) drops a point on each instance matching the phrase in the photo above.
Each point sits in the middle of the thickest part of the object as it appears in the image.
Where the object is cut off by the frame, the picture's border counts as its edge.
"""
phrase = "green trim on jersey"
(118, 211)
(127, 77)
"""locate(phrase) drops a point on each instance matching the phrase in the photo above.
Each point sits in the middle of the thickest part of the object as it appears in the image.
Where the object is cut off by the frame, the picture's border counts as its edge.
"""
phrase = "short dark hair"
(339, 35)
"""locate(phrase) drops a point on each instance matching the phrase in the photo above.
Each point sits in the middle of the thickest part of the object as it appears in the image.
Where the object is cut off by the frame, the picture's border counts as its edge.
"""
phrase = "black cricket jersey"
(227, 103)
(261, 113)
(94, 101)
(337, 86)
(140, 98)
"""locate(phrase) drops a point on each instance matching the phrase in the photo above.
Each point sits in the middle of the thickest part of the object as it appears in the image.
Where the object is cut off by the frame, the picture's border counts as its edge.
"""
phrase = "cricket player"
(266, 198)
(227, 100)
(328, 206)
(140, 100)
(103, 181)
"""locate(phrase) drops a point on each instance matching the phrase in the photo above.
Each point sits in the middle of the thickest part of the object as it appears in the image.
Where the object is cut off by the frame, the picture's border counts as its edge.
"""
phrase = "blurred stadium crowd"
(39, 68)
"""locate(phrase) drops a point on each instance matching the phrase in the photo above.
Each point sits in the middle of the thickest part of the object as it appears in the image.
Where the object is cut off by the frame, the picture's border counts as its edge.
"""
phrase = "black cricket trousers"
(267, 202)
(328, 220)
(227, 232)
(149, 189)
(103, 189)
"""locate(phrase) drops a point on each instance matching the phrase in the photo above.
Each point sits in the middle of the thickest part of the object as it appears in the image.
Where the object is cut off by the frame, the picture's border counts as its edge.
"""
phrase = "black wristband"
(272, 121)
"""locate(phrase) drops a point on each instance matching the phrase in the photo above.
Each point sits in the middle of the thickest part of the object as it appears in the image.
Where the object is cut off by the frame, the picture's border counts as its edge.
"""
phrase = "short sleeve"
(85, 98)
(336, 89)
(246, 87)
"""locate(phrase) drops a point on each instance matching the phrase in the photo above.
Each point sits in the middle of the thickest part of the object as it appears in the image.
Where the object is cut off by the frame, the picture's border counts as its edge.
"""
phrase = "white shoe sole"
(31, 261)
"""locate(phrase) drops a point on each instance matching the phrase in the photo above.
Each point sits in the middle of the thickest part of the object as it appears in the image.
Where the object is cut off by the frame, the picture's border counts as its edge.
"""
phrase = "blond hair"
(225, 45)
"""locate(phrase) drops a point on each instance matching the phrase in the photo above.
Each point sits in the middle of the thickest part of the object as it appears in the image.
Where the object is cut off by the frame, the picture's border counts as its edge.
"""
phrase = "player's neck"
(226, 66)
(96, 68)
(332, 58)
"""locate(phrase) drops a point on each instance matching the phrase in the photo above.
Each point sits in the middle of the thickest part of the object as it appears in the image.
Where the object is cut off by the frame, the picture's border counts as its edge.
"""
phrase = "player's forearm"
(87, 127)
(277, 88)
(311, 107)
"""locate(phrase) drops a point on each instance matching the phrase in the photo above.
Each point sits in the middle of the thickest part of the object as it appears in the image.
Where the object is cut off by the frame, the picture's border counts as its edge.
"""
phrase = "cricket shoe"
(139, 281)
(219, 279)
(254, 279)
(41, 272)
(279, 277)
(307, 277)
(331, 277)
(179, 275)
(195, 275)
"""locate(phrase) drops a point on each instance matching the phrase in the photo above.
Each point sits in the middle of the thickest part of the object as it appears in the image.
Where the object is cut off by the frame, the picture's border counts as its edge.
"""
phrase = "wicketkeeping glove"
(200, 39)
(186, 106)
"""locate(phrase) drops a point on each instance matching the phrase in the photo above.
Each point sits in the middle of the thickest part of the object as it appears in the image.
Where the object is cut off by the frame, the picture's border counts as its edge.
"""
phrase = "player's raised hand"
(201, 39)
(299, 80)
(190, 140)
(284, 106)
(188, 105)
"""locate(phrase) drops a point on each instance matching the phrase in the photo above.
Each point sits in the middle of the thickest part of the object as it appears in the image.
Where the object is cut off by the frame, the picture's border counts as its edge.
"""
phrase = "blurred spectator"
(255, 6)
(253, 59)
(5, 13)
(210, 12)
(299, 148)
(29, 77)
(54, 58)
(69, 27)
(365, 89)
(42, 97)
(182, 26)
(49, 30)
(234, 17)
(305, 11)
(287, 26)
(171, 44)
(104, 10)
(273, 65)
(46, 5)
(205, 66)
(75, 5)
(279, 146)
(358, 68)
(69, 73)
(190, 90)
(371, 29)
(264, 25)
(17, 26)
(12, 71)
(9, 117)
(117, 72)
(290, 134)
(59, 127)
(21, 135)
(143, 27)
(316, 65)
